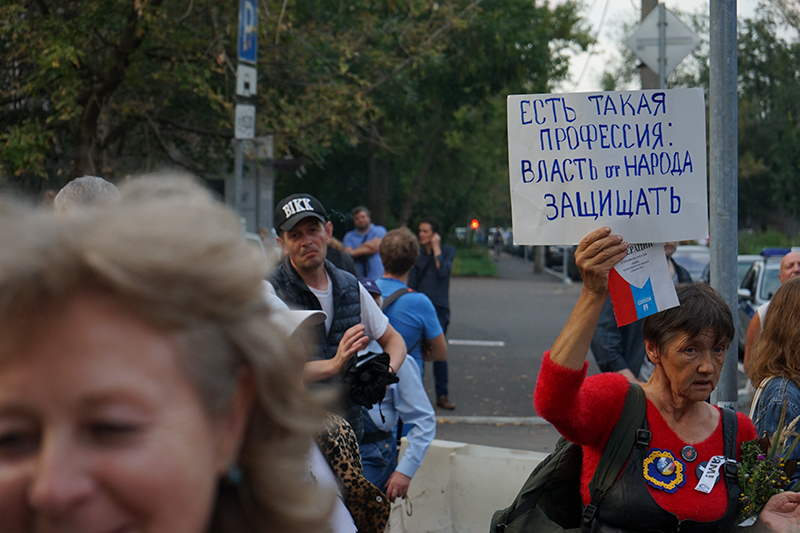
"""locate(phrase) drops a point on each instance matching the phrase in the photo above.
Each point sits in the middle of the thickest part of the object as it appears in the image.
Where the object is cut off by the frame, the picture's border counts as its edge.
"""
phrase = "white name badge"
(711, 474)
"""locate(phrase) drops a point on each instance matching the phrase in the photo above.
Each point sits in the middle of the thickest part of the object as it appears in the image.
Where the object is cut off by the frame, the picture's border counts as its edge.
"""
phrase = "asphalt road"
(499, 329)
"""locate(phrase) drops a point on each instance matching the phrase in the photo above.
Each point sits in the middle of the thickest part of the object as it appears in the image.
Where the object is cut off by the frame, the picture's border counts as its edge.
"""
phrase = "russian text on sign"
(634, 160)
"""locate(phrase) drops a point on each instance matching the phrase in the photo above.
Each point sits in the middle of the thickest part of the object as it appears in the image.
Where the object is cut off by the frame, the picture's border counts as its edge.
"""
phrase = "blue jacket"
(767, 412)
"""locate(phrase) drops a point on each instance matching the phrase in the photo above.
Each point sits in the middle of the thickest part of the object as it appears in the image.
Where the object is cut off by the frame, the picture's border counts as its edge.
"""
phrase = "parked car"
(554, 258)
(510, 246)
(693, 258)
(743, 264)
(758, 285)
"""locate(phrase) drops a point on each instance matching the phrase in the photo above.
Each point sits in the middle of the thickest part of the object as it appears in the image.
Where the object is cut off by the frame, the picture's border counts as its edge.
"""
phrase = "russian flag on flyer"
(641, 285)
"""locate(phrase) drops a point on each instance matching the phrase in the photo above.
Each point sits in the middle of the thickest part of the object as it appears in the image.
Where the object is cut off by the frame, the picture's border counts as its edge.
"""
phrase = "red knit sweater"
(585, 411)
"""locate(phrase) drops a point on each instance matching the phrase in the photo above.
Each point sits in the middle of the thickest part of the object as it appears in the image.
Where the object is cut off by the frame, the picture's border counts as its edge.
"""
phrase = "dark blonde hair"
(178, 259)
(399, 250)
(776, 351)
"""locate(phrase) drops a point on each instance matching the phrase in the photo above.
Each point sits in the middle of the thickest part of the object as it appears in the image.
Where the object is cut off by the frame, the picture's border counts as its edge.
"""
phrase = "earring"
(234, 477)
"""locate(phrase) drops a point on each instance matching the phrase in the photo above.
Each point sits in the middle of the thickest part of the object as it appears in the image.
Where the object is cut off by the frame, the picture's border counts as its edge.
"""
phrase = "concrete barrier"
(459, 486)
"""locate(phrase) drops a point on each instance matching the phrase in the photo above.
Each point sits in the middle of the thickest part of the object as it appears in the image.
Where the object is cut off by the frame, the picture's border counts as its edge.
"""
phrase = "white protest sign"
(631, 160)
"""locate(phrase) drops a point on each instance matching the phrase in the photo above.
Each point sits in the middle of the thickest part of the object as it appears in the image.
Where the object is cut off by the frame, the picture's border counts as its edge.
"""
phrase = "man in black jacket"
(306, 280)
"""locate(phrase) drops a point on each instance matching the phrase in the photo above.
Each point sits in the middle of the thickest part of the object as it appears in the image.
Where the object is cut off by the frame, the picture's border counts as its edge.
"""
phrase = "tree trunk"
(95, 93)
(419, 180)
(377, 181)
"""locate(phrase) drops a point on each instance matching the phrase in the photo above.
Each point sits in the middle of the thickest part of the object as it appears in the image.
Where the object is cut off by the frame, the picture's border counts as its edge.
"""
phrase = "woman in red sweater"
(662, 487)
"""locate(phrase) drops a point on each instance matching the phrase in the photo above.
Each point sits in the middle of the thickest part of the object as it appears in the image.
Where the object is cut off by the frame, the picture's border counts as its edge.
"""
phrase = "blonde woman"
(142, 384)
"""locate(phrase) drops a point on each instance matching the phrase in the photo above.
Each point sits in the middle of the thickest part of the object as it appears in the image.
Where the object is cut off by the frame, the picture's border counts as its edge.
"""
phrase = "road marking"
(467, 342)
(494, 420)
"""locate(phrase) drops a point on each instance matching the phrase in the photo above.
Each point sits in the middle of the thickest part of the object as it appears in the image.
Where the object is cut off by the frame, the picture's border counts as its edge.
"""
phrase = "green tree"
(437, 146)
(93, 87)
(97, 87)
(769, 73)
(399, 103)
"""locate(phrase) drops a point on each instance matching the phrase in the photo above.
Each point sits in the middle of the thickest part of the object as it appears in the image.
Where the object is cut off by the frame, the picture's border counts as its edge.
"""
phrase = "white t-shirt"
(341, 521)
(762, 313)
(373, 319)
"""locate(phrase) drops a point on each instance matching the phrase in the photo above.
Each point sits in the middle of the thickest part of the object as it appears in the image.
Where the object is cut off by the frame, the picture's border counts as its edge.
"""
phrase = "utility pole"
(724, 178)
(648, 76)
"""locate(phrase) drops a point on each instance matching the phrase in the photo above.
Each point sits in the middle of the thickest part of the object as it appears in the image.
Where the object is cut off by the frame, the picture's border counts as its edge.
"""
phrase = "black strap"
(392, 298)
(730, 427)
(618, 448)
(399, 436)
(616, 452)
(375, 436)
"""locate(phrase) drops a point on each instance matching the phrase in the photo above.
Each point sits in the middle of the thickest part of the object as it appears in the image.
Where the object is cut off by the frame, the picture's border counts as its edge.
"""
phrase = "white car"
(693, 258)
(758, 285)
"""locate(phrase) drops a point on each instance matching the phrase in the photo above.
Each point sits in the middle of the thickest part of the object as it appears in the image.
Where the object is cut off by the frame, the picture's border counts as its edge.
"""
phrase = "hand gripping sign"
(631, 160)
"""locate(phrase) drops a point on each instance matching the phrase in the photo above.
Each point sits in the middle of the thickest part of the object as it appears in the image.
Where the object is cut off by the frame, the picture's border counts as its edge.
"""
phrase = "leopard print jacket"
(368, 506)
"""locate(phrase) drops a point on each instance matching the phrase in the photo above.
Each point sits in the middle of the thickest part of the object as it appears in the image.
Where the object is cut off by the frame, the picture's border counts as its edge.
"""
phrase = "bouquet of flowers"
(763, 470)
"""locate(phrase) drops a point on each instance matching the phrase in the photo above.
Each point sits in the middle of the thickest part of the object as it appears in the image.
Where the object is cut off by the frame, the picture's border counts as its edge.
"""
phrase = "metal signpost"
(723, 178)
(246, 87)
(661, 42)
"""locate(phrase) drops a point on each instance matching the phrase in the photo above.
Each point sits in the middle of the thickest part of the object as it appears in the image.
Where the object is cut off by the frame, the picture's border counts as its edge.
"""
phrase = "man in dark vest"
(306, 280)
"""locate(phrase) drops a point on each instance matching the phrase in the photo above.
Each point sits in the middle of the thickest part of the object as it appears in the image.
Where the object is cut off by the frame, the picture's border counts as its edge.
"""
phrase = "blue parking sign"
(248, 38)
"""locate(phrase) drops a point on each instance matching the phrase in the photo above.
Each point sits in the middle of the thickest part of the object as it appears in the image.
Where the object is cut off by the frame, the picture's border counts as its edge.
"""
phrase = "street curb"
(494, 420)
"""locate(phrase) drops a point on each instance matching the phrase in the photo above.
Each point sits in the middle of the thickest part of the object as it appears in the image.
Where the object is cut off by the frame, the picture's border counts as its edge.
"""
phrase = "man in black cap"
(306, 280)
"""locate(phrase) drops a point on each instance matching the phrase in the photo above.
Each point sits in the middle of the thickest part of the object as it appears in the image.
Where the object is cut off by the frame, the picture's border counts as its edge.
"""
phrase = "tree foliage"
(438, 145)
(769, 121)
(391, 102)
(93, 87)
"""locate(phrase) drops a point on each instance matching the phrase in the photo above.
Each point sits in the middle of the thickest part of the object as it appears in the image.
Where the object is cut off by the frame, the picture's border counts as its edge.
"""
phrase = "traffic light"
(474, 224)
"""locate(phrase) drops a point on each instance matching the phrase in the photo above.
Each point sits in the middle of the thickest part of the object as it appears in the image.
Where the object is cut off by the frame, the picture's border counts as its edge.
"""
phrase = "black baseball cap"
(295, 208)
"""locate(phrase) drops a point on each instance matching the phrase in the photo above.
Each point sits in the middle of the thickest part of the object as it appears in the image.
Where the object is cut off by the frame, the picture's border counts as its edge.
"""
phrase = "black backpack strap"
(399, 429)
(627, 433)
(730, 428)
(392, 298)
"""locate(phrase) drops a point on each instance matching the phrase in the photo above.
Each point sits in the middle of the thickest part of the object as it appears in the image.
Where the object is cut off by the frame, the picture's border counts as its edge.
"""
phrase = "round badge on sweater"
(689, 453)
(663, 471)
(701, 469)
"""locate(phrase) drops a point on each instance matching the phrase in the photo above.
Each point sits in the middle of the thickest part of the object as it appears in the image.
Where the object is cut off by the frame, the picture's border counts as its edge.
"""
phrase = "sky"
(586, 69)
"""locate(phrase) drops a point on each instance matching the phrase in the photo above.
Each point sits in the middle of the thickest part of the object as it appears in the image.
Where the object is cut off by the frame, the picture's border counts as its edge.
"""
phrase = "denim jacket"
(767, 412)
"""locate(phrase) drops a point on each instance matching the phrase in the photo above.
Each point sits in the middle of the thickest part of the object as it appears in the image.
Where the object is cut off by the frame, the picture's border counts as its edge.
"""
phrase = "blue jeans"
(379, 459)
(440, 367)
